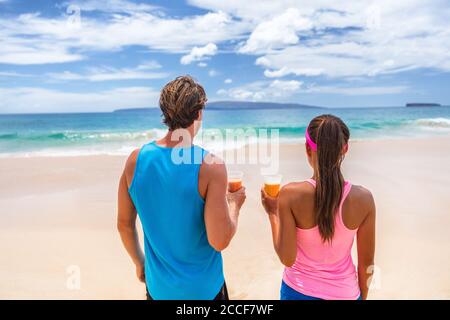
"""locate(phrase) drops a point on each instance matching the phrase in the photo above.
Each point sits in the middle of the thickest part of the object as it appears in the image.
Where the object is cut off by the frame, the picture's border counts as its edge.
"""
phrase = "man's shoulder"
(130, 165)
(132, 158)
(213, 167)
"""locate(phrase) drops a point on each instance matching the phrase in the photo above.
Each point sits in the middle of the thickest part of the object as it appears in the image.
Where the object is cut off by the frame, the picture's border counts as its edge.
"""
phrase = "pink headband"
(313, 145)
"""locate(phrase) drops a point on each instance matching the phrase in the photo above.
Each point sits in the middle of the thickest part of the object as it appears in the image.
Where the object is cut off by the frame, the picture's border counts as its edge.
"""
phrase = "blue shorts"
(287, 293)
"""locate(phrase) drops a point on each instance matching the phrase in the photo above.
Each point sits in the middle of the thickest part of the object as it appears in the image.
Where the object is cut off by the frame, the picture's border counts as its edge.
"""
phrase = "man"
(180, 193)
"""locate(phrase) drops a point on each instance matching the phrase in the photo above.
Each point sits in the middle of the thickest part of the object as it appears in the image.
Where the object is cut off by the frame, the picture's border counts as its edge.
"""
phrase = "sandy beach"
(58, 212)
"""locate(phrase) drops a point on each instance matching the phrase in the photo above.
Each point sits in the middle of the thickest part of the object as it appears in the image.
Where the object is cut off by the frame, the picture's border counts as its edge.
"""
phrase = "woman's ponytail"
(331, 136)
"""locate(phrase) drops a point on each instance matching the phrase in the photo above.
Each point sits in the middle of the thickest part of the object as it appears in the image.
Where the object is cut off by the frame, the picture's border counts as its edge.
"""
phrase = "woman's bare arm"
(366, 247)
(283, 226)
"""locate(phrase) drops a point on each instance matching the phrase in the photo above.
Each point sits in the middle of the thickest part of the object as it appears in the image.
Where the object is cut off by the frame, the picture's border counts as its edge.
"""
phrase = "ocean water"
(121, 132)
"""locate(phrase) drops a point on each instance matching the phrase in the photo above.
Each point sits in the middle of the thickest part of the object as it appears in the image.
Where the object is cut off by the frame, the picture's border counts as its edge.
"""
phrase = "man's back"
(181, 198)
(179, 261)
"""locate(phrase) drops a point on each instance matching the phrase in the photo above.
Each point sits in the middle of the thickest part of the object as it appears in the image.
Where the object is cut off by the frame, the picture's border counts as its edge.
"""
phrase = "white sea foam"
(433, 123)
(123, 143)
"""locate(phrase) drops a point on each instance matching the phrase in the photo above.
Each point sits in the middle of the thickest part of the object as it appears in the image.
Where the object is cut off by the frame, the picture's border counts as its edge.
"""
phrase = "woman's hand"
(269, 203)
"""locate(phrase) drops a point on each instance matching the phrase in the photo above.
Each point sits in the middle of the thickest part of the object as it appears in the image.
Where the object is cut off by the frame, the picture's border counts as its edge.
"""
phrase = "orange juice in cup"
(272, 184)
(235, 180)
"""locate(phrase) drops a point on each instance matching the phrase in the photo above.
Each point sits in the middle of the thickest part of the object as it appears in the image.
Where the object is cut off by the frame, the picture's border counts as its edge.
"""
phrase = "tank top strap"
(311, 182)
(347, 188)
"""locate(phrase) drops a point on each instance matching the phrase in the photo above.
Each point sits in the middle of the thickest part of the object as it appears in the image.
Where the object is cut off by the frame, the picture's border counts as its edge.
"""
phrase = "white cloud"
(66, 76)
(221, 92)
(262, 90)
(249, 10)
(199, 53)
(277, 32)
(34, 39)
(26, 51)
(353, 57)
(202, 64)
(308, 38)
(15, 74)
(286, 85)
(113, 6)
(30, 99)
(275, 73)
(228, 81)
(124, 74)
(213, 73)
(284, 90)
(241, 94)
(344, 38)
(143, 71)
(149, 65)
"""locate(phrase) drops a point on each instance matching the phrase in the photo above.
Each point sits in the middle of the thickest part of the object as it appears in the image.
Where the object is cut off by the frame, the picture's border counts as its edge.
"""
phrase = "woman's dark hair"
(331, 136)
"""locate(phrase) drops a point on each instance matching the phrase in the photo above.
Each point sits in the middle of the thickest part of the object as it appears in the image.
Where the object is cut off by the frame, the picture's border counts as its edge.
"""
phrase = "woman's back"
(324, 269)
(314, 223)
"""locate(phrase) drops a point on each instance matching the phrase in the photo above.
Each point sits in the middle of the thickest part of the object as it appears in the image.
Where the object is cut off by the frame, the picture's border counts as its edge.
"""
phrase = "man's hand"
(140, 271)
(269, 203)
(236, 199)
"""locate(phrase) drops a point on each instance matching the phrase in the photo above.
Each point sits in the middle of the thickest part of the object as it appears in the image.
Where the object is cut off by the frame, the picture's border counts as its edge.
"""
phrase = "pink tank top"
(325, 270)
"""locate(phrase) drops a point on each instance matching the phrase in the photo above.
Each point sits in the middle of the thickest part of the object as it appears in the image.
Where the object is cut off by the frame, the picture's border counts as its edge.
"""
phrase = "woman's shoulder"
(361, 199)
(361, 194)
(297, 190)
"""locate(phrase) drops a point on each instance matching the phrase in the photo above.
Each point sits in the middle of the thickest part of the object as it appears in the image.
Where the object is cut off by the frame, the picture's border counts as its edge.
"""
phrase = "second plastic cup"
(272, 184)
(235, 180)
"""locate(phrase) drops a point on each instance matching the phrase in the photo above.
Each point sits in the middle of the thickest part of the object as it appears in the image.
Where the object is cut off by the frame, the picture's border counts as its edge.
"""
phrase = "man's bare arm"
(126, 218)
(221, 208)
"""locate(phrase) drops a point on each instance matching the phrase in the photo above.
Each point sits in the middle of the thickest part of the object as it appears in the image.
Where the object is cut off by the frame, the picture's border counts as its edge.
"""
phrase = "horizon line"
(221, 109)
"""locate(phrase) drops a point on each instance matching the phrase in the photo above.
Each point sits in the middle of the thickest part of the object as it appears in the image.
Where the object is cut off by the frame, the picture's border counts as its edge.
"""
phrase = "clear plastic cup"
(235, 180)
(272, 184)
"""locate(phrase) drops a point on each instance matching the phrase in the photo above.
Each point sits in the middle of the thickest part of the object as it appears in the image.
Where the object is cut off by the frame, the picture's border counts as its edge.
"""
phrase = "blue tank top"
(179, 261)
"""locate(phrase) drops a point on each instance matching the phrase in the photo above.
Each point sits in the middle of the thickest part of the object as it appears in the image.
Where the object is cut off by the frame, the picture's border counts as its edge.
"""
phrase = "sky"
(92, 55)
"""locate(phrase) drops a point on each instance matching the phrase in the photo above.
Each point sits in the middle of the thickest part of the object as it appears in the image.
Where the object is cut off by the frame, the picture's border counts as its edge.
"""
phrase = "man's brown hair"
(181, 101)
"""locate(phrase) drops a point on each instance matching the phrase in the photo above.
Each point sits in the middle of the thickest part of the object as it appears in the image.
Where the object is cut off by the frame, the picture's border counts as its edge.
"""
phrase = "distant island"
(238, 105)
(417, 104)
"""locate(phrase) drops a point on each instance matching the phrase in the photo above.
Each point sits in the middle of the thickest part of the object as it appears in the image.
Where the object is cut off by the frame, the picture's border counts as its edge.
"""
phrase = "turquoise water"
(120, 132)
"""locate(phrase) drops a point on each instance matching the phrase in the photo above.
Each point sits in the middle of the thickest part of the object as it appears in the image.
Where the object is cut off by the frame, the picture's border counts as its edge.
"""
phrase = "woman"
(314, 223)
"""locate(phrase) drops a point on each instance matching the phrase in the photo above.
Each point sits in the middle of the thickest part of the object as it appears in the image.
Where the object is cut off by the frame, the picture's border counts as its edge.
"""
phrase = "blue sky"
(92, 55)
